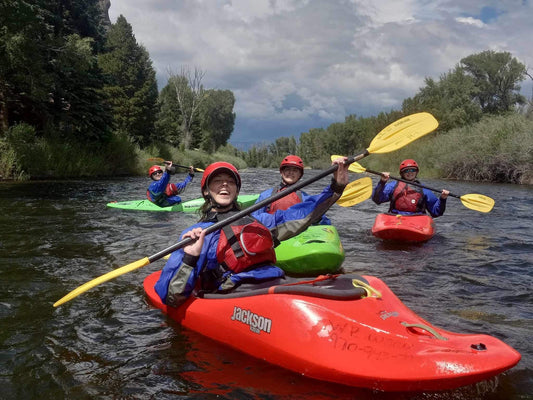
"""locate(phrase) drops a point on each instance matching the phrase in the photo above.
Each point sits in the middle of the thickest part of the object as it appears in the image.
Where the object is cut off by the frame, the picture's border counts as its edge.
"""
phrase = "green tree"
(48, 74)
(168, 121)
(190, 94)
(449, 100)
(131, 85)
(217, 118)
(496, 76)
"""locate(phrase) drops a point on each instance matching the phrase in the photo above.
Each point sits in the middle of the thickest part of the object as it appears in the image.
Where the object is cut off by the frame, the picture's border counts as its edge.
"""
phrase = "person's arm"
(182, 269)
(263, 195)
(436, 206)
(379, 194)
(285, 224)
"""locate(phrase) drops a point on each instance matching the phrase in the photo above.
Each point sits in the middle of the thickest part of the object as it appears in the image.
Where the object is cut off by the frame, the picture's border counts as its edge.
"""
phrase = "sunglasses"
(406, 171)
(157, 172)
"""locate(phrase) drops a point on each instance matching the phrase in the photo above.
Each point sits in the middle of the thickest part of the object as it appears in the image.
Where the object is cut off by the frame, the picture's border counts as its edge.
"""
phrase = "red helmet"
(217, 167)
(154, 168)
(408, 164)
(292, 161)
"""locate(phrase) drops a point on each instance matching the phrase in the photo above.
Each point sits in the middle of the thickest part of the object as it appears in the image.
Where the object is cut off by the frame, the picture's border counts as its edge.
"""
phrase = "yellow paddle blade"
(356, 192)
(101, 279)
(354, 167)
(402, 132)
(477, 202)
(156, 159)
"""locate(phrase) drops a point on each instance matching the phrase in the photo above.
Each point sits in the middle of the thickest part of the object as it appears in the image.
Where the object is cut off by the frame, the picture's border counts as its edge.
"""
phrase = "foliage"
(48, 68)
(131, 85)
(496, 76)
(217, 119)
(499, 149)
(47, 157)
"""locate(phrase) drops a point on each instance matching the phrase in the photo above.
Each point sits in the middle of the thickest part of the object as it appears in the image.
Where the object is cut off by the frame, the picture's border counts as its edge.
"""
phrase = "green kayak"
(317, 250)
(246, 200)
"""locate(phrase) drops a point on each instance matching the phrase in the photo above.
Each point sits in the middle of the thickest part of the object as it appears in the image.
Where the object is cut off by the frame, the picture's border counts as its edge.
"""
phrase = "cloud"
(295, 65)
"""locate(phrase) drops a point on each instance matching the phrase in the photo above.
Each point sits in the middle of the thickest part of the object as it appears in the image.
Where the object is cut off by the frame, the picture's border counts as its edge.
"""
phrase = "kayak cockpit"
(336, 287)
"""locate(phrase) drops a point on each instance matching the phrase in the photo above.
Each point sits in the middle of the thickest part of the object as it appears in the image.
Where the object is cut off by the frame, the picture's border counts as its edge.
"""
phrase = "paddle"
(392, 137)
(473, 201)
(161, 160)
(356, 192)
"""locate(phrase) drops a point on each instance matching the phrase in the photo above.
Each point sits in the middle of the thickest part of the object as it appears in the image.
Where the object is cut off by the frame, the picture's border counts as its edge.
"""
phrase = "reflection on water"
(474, 276)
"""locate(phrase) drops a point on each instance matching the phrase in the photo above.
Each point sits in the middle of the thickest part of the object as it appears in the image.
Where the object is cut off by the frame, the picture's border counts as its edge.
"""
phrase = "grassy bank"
(496, 149)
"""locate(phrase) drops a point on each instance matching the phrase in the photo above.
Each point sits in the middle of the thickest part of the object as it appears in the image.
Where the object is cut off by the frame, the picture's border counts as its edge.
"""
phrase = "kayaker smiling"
(160, 191)
(243, 251)
(291, 170)
(408, 199)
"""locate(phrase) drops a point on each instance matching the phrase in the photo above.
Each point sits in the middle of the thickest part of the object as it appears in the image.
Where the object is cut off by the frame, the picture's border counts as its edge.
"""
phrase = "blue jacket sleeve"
(435, 205)
(285, 224)
(264, 195)
(176, 261)
(181, 185)
(383, 192)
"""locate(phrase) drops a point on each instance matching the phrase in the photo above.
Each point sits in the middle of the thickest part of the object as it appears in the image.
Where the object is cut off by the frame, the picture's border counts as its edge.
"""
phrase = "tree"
(190, 94)
(449, 100)
(217, 118)
(48, 72)
(496, 76)
(131, 85)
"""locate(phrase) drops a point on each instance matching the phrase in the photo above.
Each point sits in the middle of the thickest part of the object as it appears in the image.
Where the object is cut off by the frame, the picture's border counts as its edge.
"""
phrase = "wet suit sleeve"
(435, 205)
(285, 224)
(382, 192)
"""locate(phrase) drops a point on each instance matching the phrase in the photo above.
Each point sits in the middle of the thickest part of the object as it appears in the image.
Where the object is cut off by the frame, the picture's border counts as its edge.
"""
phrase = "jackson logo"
(256, 322)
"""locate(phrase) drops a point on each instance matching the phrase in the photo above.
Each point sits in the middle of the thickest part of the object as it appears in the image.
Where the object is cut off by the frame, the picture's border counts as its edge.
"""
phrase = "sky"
(296, 65)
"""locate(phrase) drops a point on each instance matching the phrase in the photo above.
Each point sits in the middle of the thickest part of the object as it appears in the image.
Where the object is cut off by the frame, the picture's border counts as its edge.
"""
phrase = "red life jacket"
(171, 190)
(284, 202)
(245, 243)
(407, 198)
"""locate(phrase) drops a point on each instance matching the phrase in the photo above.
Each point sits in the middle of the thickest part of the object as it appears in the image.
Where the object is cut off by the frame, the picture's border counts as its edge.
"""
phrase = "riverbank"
(497, 149)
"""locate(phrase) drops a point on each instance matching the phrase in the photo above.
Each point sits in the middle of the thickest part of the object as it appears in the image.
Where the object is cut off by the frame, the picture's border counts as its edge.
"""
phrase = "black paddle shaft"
(410, 182)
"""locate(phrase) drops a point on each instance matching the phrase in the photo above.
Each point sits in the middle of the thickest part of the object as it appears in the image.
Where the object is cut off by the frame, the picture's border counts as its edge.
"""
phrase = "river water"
(474, 276)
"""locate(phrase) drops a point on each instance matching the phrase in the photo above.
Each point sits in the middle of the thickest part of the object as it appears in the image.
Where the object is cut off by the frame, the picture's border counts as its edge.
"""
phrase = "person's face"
(223, 188)
(291, 175)
(409, 174)
(157, 175)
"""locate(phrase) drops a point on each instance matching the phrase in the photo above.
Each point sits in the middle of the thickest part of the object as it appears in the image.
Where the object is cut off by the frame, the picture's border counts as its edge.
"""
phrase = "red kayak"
(405, 228)
(346, 329)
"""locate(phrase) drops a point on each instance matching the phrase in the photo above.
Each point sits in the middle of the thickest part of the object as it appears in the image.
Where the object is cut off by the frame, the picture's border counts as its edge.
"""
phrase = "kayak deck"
(370, 340)
(190, 206)
(317, 250)
(405, 228)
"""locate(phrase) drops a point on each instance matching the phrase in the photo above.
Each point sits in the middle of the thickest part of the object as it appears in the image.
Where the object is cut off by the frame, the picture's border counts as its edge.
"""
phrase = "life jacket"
(284, 202)
(161, 200)
(245, 243)
(407, 198)
(171, 190)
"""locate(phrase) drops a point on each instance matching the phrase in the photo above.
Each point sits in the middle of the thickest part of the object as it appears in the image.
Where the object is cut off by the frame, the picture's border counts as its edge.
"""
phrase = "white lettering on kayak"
(256, 322)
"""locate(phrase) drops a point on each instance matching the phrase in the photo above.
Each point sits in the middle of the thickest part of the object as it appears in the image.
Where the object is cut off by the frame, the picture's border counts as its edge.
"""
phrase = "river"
(474, 276)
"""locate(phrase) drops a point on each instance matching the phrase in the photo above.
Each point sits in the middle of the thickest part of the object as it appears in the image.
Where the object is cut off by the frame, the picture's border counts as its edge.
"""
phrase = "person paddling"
(291, 170)
(408, 199)
(163, 193)
(243, 251)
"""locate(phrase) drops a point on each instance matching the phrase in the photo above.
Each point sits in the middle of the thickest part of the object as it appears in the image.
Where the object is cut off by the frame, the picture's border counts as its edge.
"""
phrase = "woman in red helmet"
(291, 170)
(408, 199)
(243, 251)
(160, 191)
